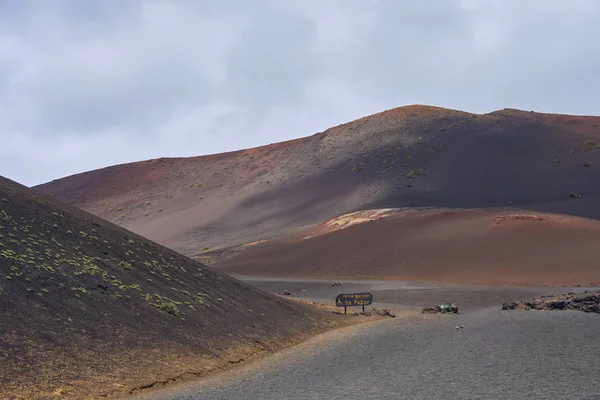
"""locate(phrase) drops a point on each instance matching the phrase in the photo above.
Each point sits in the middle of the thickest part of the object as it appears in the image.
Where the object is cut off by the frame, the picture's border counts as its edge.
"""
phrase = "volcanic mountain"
(413, 156)
(89, 308)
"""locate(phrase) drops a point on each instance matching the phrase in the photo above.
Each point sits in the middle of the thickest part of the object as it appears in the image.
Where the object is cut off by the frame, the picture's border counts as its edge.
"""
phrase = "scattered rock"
(587, 302)
(336, 283)
(441, 308)
(385, 312)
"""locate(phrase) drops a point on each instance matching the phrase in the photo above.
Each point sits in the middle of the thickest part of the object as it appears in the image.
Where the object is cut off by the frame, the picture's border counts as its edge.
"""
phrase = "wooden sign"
(353, 299)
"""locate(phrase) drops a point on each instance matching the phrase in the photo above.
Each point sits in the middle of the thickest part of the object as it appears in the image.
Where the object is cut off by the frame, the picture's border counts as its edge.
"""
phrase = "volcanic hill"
(88, 308)
(413, 156)
(491, 247)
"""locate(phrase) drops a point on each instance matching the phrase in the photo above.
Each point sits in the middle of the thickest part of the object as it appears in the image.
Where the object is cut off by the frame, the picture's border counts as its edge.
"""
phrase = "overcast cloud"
(87, 84)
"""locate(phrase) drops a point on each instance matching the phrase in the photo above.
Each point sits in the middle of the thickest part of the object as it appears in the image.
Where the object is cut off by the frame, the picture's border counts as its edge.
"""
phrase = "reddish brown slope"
(484, 247)
(406, 157)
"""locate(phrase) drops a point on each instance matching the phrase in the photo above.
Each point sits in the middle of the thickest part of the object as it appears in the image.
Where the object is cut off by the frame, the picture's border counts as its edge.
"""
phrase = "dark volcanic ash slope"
(88, 308)
(406, 157)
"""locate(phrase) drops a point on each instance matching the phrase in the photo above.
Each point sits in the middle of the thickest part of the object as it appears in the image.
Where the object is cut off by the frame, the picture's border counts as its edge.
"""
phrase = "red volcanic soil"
(415, 156)
(465, 247)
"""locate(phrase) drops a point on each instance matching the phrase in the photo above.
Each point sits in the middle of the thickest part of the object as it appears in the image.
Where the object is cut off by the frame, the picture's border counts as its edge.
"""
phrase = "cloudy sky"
(87, 84)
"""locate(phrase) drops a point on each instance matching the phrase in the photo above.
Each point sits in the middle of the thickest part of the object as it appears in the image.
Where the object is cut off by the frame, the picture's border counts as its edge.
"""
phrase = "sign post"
(353, 299)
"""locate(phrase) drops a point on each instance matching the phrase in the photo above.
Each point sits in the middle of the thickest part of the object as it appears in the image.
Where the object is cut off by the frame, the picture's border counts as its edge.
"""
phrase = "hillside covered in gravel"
(89, 308)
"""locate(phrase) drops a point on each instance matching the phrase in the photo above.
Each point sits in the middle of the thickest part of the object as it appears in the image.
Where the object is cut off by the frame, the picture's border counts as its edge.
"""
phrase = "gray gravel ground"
(406, 294)
(498, 355)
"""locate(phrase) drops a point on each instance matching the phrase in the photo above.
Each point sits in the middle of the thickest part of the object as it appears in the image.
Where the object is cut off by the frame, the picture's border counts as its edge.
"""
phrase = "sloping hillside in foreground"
(414, 156)
(88, 308)
(464, 247)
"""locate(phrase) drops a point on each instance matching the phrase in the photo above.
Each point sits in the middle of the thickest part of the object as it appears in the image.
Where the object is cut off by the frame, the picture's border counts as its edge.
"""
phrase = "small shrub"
(168, 307)
(124, 265)
(411, 174)
(556, 161)
(575, 195)
(586, 163)
(147, 203)
(80, 289)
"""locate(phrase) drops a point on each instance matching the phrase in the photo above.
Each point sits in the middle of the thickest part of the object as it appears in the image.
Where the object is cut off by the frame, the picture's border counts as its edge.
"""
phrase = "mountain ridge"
(411, 156)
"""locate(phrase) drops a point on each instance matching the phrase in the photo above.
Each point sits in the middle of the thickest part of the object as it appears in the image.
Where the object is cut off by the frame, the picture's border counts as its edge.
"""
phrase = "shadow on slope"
(491, 161)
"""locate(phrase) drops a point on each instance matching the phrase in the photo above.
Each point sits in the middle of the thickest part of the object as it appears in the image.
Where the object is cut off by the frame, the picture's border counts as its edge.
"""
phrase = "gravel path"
(498, 355)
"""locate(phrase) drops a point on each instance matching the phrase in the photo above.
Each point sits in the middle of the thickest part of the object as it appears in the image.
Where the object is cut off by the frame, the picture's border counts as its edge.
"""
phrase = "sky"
(88, 84)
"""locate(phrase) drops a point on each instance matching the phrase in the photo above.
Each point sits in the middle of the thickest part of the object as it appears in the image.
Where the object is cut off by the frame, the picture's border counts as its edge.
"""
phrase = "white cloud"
(89, 84)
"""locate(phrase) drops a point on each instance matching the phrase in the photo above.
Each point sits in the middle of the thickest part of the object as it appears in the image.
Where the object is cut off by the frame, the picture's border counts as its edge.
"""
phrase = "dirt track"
(498, 354)
(403, 294)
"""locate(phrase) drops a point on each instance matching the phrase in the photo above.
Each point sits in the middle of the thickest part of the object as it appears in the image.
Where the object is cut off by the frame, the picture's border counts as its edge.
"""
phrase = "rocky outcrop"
(586, 301)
